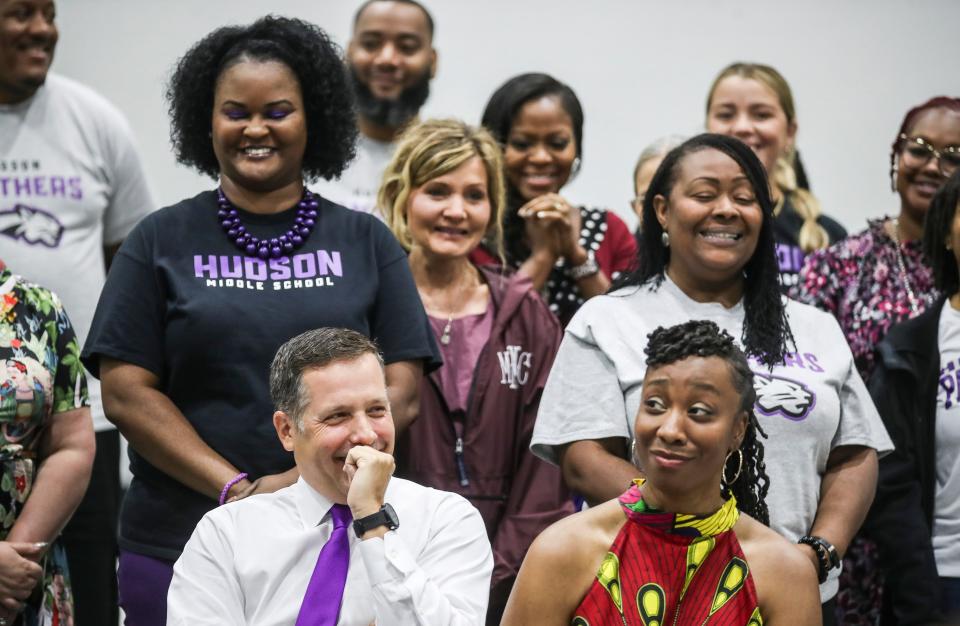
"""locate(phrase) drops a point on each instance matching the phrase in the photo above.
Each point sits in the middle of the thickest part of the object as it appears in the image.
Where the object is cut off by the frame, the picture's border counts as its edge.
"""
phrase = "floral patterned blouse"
(40, 376)
(858, 280)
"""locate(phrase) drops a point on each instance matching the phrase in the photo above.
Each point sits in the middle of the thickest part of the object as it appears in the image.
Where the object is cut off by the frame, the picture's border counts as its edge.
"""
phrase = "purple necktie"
(321, 603)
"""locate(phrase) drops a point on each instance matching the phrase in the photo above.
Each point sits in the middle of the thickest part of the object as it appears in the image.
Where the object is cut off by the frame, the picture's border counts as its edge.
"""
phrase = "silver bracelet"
(586, 269)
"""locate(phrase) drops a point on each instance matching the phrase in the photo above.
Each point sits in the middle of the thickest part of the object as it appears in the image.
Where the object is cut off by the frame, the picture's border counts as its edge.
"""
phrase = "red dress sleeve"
(618, 251)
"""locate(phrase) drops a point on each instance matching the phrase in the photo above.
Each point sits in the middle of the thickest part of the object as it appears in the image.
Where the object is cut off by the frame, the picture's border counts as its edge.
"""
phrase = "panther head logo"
(34, 226)
(789, 398)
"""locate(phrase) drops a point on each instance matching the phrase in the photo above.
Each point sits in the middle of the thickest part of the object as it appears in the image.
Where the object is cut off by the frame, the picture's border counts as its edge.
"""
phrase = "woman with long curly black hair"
(203, 292)
(675, 548)
(708, 253)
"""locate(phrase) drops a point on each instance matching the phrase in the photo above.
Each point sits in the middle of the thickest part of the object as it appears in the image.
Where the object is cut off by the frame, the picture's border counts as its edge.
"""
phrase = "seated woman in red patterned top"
(675, 548)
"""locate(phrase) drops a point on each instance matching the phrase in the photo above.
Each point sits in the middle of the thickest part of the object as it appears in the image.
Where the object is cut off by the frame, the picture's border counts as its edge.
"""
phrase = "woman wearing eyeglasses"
(877, 278)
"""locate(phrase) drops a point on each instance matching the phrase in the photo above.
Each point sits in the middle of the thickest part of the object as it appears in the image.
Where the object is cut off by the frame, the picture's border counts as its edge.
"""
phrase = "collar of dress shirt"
(311, 504)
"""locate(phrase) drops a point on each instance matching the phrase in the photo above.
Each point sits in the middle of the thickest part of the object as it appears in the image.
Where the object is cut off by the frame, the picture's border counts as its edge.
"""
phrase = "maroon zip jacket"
(484, 454)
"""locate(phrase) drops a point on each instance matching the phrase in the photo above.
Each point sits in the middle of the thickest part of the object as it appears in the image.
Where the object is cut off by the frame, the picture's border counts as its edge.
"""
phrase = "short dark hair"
(312, 349)
(507, 100)
(766, 330)
(426, 14)
(703, 338)
(936, 229)
(498, 118)
(317, 63)
(937, 102)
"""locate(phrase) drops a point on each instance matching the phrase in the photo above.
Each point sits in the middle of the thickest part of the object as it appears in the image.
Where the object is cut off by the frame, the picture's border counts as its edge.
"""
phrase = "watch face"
(393, 521)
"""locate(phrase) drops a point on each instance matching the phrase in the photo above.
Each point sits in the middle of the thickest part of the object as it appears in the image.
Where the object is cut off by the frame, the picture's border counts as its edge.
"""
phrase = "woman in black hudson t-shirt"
(203, 292)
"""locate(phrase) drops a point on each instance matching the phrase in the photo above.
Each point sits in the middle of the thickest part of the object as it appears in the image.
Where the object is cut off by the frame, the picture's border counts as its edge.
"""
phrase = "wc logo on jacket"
(514, 366)
(789, 398)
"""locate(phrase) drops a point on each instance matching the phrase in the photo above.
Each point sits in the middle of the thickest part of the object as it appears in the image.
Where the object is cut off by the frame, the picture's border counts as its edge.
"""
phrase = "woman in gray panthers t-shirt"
(708, 253)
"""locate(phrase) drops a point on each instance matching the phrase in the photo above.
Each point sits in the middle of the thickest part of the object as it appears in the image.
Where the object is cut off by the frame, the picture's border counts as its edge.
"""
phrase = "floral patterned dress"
(41, 376)
(859, 281)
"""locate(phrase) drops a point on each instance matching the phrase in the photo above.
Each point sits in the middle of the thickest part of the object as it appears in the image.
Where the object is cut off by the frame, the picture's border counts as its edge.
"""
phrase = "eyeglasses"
(916, 152)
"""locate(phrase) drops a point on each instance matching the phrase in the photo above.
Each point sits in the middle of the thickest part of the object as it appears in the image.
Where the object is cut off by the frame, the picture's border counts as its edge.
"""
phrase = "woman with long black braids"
(708, 253)
(675, 548)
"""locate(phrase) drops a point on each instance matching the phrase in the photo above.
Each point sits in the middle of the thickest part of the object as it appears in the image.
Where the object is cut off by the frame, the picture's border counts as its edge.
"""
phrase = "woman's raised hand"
(553, 224)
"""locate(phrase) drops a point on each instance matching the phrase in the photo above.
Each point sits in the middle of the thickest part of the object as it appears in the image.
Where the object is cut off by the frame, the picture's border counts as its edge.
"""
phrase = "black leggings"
(90, 539)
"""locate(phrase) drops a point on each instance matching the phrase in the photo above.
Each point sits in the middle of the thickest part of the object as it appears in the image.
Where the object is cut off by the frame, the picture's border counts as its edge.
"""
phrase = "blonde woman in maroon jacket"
(442, 194)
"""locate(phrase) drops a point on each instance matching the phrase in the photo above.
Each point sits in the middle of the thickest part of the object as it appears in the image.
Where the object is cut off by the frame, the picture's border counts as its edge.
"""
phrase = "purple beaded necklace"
(275, 247)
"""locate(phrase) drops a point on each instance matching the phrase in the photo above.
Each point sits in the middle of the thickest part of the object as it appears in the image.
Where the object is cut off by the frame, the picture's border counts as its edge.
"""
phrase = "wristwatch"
(386, 516)
(827, 555)
(586, 269)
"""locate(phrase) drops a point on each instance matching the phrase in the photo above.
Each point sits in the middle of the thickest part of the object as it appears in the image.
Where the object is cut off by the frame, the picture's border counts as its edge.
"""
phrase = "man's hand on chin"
(369, 472)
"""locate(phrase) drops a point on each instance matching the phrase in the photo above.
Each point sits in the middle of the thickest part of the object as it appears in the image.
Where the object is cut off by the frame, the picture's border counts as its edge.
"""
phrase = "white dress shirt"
(249, 562)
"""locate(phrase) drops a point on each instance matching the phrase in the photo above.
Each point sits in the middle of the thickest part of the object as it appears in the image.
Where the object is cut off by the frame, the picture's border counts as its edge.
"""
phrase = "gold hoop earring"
(723, 474)
(633, 454)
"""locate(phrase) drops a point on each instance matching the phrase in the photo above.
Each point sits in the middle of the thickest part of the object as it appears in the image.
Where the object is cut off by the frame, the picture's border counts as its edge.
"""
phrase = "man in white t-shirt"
(71, 188)
(348, 543)
(391, 60)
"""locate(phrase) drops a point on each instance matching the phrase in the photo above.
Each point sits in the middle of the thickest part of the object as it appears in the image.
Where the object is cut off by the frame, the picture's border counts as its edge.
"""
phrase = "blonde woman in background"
(753, 103)
(650, 159)
(442, 194)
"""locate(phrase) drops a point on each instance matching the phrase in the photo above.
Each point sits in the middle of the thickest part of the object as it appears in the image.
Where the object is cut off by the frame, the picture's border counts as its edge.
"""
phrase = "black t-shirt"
(786, 231)
(183, 302)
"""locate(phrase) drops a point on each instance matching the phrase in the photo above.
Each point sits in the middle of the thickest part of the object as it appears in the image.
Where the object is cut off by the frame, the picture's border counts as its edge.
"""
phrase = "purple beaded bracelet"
(226, 488)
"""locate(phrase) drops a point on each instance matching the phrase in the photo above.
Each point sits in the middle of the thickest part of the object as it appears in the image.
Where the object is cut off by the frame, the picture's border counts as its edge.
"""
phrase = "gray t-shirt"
(71, 182)
(946, 507)
(809, 405)
(358, 185)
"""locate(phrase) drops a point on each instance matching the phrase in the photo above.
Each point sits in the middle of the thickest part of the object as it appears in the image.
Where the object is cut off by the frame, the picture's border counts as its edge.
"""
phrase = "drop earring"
(575, 167)
(665, 239)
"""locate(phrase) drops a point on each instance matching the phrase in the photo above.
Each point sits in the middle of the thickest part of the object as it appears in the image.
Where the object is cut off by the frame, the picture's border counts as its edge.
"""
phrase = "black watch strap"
(827, 555)
(386, 516)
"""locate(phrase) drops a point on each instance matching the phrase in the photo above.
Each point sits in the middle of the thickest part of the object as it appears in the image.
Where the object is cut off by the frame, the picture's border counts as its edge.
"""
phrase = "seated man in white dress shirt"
(411, 555)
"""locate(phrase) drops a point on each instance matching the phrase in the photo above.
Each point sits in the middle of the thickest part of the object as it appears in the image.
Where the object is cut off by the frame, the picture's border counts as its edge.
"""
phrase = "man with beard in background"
(391, 60)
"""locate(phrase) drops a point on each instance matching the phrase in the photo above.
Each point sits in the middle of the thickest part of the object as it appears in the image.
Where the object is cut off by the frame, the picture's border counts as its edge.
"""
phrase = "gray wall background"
(641, 68)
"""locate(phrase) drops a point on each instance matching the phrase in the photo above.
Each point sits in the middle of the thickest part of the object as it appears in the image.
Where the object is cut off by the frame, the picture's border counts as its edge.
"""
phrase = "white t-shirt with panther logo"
(71, 182)
(946, 509)
(810, 404)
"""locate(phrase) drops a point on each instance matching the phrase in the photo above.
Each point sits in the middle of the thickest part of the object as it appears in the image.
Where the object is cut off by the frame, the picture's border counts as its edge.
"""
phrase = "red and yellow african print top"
(668, 569)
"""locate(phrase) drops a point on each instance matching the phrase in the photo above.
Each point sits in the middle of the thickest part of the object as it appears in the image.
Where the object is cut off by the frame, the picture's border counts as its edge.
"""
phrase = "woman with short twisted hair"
(688, 543)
